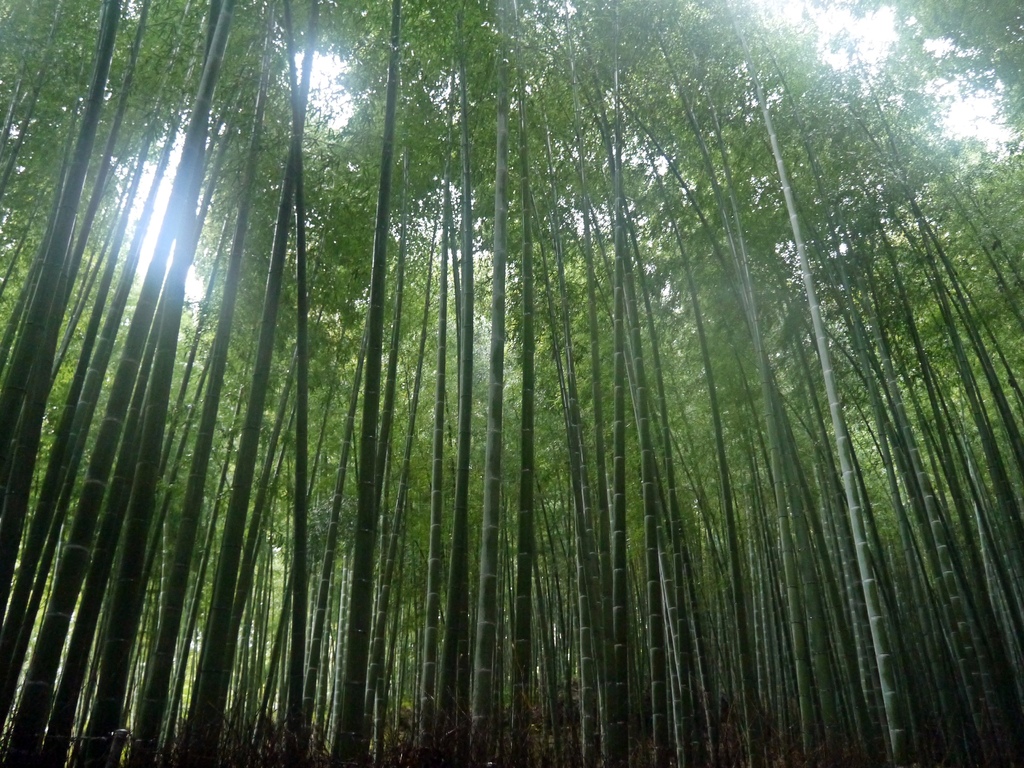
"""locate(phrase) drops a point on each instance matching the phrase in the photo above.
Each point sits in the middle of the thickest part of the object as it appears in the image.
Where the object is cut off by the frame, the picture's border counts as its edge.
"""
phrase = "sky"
(966, 112)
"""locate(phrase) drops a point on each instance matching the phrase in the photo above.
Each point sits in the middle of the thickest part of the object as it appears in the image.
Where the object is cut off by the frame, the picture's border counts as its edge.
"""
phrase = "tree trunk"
(350, 738)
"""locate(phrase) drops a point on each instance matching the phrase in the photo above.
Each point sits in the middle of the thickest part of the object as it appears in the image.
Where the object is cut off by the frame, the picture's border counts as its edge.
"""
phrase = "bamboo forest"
(511, 383)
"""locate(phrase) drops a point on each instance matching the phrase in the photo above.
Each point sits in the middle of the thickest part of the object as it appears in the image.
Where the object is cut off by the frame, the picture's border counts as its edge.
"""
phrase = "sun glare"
(329, 100)
(194, 287)
(973, 114)
(844, 39)
(329, 103)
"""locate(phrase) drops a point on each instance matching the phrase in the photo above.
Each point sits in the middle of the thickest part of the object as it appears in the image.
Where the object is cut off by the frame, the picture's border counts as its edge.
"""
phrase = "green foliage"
(914, 242)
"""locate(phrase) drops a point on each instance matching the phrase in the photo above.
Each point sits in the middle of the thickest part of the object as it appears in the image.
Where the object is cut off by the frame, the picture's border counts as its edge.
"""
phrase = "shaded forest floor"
(276, 746)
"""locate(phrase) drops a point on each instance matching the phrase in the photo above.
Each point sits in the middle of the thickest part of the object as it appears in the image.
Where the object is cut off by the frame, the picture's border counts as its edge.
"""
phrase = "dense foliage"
(608, 383)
